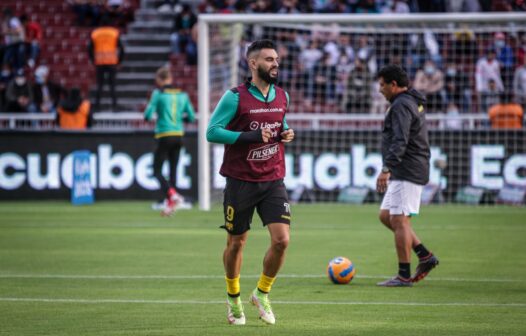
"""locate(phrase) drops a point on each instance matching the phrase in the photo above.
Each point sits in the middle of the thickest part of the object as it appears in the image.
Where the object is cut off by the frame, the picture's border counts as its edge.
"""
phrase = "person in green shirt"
(172, 108)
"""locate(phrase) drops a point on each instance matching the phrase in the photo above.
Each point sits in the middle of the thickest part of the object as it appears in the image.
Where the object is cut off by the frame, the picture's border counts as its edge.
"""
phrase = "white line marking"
(193, 277)
(328, 303)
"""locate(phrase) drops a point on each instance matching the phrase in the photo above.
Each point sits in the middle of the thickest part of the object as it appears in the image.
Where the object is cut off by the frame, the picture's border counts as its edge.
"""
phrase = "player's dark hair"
(256, 46)
(395, 73)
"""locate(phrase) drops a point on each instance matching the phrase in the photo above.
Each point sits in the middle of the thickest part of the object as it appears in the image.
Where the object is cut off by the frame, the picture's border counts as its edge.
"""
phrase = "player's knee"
(384, 218)
(236, 245)
(280, 244)
(398, 222)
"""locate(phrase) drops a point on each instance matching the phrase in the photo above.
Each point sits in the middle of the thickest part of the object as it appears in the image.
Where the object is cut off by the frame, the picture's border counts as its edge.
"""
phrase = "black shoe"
(397, 281)
(424, 267)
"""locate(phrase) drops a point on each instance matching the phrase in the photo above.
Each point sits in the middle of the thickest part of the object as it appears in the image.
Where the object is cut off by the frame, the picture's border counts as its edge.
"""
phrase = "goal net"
(465, 64)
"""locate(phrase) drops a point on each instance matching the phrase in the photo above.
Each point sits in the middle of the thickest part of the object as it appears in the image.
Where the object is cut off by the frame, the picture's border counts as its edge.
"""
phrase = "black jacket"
(405, 144)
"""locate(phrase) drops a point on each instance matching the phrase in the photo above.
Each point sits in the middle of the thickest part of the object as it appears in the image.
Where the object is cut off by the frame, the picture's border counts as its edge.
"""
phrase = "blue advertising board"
(81, 190)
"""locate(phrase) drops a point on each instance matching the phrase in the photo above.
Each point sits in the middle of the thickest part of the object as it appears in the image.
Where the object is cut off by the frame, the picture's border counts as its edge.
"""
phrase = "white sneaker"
(262, 303)
(235, 313)
(177, 198)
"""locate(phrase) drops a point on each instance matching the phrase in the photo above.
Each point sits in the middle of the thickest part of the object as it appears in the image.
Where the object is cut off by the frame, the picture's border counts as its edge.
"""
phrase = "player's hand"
(381, 182)
(287, 136)
(266, 134)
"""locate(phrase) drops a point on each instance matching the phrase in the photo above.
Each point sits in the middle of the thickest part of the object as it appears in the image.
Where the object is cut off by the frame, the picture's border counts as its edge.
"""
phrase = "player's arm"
(188, 109)
(401, 123)
(152, 105)
(288, 133)
(224, 112)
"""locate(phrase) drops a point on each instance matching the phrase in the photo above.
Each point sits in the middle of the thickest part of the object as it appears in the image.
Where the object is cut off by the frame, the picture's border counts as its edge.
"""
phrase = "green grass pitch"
(118, 268)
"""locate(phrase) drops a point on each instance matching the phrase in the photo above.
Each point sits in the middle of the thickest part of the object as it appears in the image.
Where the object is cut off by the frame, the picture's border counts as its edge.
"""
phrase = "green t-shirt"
(171, 106)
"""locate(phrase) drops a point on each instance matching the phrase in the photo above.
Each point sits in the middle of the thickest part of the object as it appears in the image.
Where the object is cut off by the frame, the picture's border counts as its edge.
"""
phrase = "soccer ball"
(341, 270)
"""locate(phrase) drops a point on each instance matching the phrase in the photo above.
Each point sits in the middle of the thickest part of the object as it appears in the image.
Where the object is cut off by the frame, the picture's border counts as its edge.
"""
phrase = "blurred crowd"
(27, 85)
(347, 6)
(94, 12)
(459, 72)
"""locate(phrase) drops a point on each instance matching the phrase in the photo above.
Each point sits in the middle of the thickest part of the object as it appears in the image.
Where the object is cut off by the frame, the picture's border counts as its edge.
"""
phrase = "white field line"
(193, 277)
(206, 302)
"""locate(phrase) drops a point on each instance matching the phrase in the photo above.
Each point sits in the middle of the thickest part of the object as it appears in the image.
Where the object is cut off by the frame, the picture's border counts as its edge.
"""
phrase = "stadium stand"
(64, 43)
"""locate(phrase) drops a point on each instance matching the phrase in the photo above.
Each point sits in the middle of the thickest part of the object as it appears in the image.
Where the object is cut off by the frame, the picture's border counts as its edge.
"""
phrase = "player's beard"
(265, 75)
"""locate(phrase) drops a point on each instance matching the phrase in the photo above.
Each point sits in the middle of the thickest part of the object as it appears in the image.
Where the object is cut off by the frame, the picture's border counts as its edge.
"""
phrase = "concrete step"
(147, 14)
(142, 66)
(147, 40)
(123, 104)
(149, 30)
(132, 76)
(141, 53)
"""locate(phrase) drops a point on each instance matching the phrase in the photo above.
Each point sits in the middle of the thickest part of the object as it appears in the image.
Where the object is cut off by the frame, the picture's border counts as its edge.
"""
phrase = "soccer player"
(250, 121)
(172, 107)
(405, 154)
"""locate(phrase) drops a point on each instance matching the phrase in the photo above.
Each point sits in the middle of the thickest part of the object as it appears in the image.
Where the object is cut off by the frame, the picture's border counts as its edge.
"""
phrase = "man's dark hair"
(395, 73)
(256, 46)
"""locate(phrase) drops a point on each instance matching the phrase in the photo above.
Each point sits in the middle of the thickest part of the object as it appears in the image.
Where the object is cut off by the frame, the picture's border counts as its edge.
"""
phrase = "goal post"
(333, 112)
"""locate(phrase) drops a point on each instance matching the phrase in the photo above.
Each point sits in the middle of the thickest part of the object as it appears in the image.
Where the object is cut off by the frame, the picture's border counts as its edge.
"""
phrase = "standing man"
(405, 154)
(106, 52)
(172, 107)
(250, 121)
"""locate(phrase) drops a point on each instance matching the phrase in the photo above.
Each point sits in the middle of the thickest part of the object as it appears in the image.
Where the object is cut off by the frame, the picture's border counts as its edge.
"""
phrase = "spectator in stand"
(46, 94)
(430, 81)
(452, 113)
(457, 90)
(324, 89)
(518, 5)
(367, 7)
(396, 7)
(366, 51)
(106, 52)
(74, 112)
(168, 6)
(492, 96)
(332, 6)
(14, 37)
(343, 70)
(5, 77)
(33, 39)
(87, 8)
(454, 6)
(506, 114)
(18, 94)
(519, 85)
(263, 6)
(181, 38)
(307, 60)
(506, 59)
(345, 45)
(207, 7)
(464, 45)
(289, 7)
(431, 6)
(118, 11)
(422, 47)
(359, 85)
(508, 5)
(521, 49)
(488, 81)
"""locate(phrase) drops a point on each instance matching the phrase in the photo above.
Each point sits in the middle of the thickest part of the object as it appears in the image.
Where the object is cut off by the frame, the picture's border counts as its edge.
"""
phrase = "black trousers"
(167, 148)
(106, 73)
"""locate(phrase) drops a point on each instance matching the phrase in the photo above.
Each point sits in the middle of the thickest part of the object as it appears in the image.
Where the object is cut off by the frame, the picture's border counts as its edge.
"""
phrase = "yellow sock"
(232, 286)
(265, 283)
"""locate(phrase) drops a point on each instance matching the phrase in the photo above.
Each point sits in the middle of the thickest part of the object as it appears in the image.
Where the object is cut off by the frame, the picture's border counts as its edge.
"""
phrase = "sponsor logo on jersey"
(266, 110)
(263, 153)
